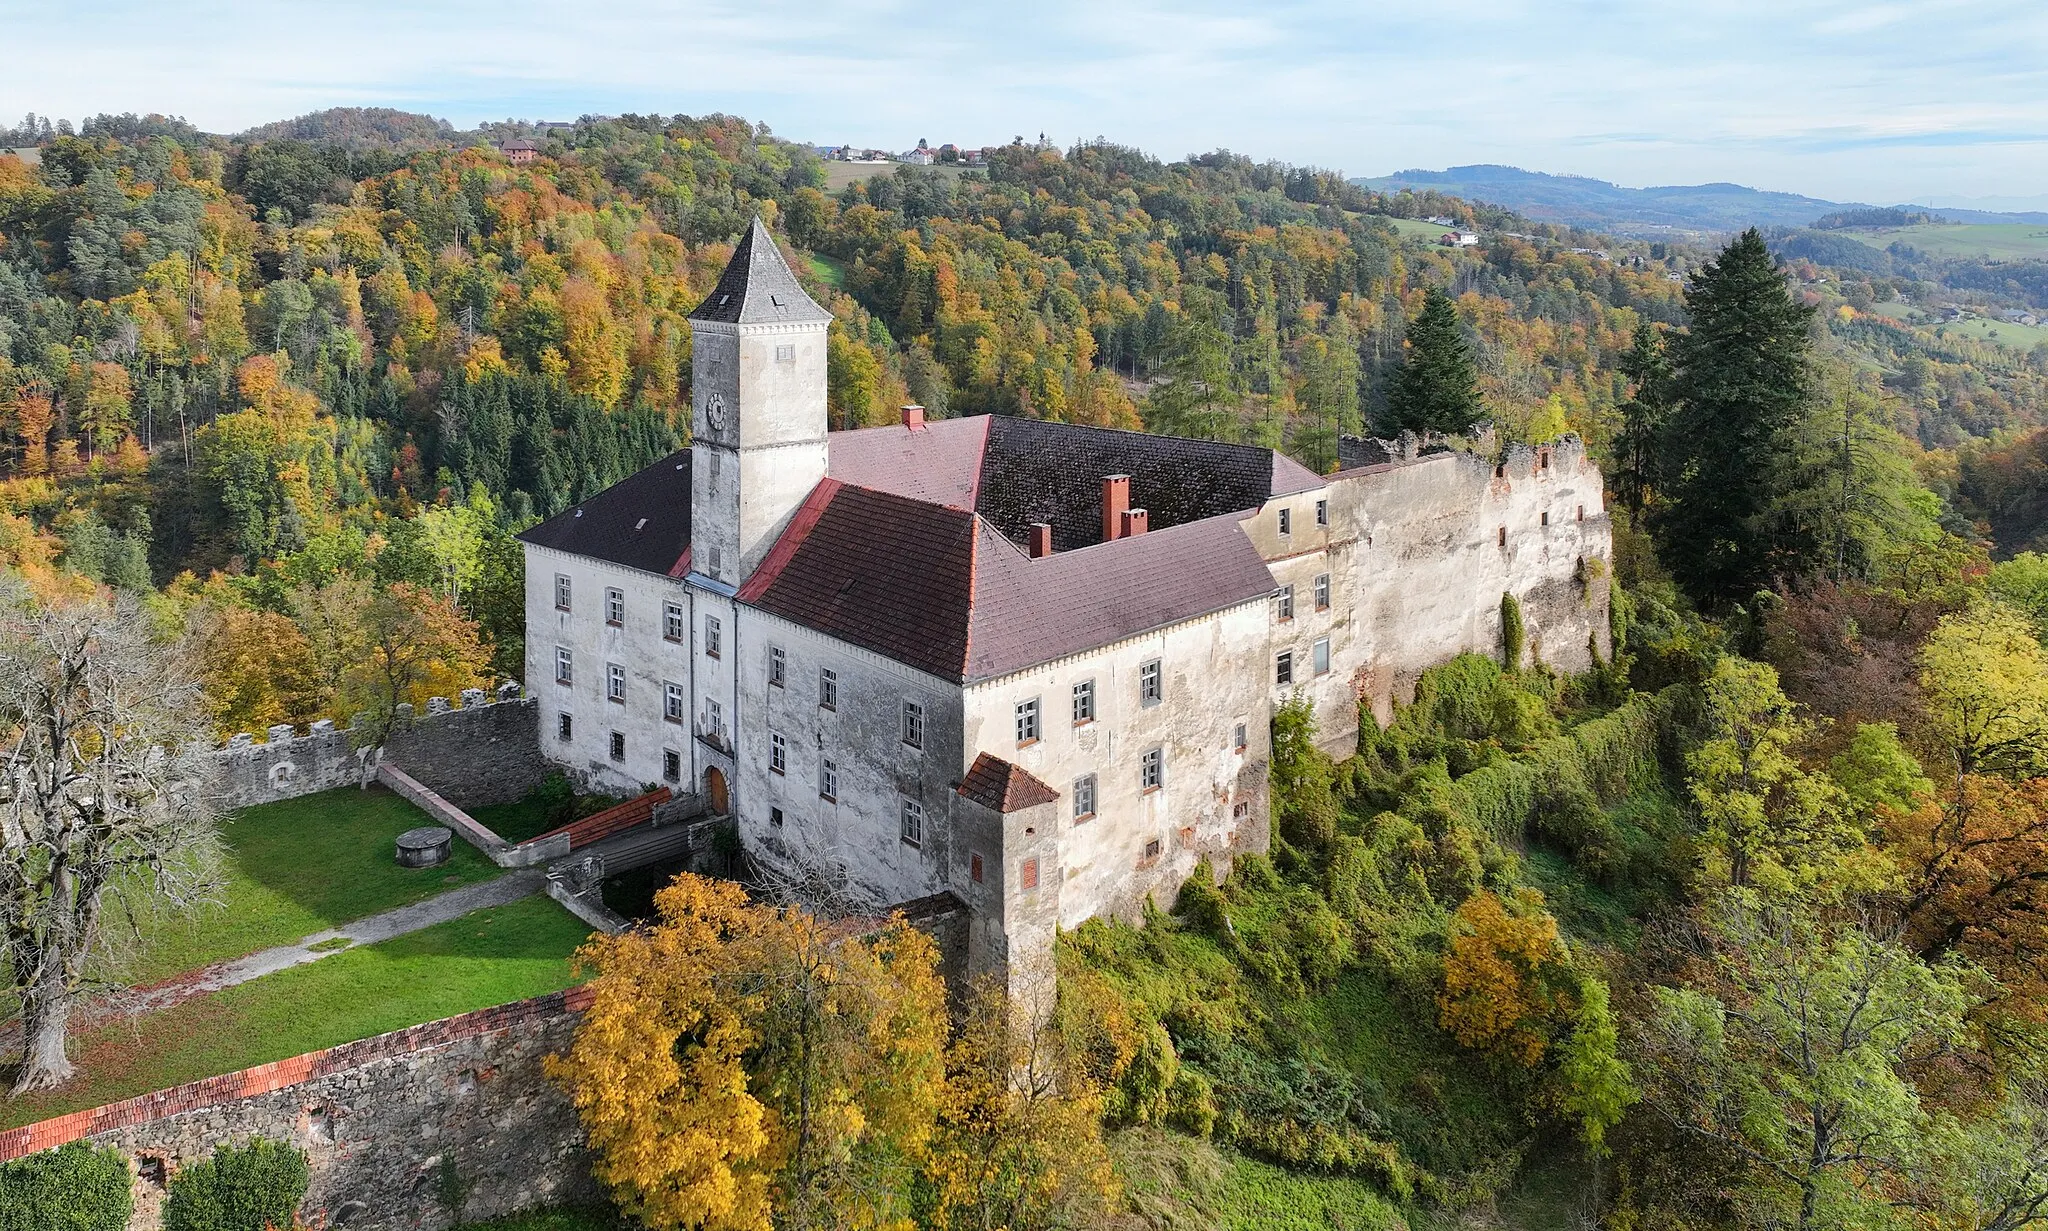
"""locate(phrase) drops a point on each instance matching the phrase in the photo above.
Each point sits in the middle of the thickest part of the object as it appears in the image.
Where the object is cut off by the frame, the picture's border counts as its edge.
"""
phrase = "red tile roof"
(613, 820)
(999, 786)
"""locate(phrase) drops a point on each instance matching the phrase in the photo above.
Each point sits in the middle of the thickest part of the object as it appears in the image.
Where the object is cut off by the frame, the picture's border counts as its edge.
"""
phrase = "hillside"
(1582, 201)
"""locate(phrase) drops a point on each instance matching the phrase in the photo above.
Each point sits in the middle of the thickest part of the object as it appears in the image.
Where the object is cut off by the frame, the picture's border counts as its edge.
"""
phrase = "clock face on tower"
(714, 414)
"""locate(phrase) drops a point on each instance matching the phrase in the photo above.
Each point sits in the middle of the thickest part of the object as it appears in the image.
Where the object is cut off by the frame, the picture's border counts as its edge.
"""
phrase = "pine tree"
(1435, 388)
(1642, 417)
(1740, 371)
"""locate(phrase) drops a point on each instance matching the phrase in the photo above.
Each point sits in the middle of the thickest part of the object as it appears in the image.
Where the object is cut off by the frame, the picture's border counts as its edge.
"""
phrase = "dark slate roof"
(999, 786)
(757, 287)
(642, 521)
(1016, 471)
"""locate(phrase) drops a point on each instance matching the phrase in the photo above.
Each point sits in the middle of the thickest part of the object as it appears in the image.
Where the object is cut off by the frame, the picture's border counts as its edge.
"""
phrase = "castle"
(1030, 663)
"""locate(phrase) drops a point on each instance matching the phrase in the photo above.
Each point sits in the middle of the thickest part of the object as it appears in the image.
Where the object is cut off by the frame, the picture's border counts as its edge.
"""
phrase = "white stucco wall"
(1213, 681)
(636, 644)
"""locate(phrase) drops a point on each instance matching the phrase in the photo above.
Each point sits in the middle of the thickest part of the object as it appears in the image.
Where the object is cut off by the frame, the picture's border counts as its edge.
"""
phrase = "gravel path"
(440, 908)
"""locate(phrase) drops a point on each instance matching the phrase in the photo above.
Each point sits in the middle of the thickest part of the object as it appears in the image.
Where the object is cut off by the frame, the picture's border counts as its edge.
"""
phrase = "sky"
(1928, 101)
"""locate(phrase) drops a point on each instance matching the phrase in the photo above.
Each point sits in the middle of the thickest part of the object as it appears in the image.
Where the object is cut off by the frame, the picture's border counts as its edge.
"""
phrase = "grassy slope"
(2019, 337)
(1415, 228)
(299, 867)
(485, 958)
(1998, 241)
(551, 1220)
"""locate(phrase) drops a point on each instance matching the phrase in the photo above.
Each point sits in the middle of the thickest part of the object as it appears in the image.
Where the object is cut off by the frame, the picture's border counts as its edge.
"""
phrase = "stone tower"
(758, 428)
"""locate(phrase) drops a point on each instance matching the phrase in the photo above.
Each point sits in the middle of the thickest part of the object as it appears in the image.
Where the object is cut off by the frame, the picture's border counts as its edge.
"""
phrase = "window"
(1322, 512)
(1320, 655)
(1152, 770)
(828, 781)
(1582, 512)
(1322, 591)
(618, 746)
(1084, 702)
(1084, 797)
(1027, 721)
(615, 682)
(672, 621)
(1543, 459)
(1283, 667)
(1283, 603)
(714, 636)
(1287, 521)
(565, 665)
(714, 720)
(775, 817)
(561, 591)
(785, 354)
(1242, 737)
(1027, 874)
(778, 666)
(1151, 683)
(974, 866)
(565, 727)
(672, 701)
(913, 724)
(912, 813)
(1502, 538)
(715, 562)
(671, 765)
(828, 688)
(1501, 471)
(1546, 517)
(1152, 848)
(778, 753)
(614, 606)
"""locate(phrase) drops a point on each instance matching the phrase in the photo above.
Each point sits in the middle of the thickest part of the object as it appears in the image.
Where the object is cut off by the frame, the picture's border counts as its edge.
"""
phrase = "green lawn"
(487, 957)
(1415, 228)
(831, 272)
(1999, 241)
(1177, 1183)
(299, 867)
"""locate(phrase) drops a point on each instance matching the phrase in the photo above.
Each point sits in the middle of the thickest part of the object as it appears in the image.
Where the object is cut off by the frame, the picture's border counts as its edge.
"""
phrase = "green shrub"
(1191, 1104)
(246, 1188)
(1513, 637)
(75, 1188)
(1202, 905)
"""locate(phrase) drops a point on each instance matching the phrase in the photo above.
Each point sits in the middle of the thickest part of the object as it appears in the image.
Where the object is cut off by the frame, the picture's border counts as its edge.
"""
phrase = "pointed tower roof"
(757, 287)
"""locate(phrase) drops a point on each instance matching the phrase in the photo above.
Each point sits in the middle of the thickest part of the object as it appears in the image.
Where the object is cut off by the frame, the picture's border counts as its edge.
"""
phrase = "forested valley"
(1742, 929)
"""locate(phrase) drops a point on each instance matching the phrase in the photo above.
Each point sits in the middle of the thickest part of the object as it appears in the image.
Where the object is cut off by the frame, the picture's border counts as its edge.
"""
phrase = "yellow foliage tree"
(744, 1066)
(1985, 678)
(1506, 976)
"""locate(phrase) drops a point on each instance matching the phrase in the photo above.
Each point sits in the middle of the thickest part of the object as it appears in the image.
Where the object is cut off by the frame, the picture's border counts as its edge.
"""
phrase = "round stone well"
(426, 847)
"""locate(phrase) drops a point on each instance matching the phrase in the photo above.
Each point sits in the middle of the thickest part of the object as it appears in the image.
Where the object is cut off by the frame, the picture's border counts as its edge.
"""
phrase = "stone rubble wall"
(486, 751)
(393, 1126)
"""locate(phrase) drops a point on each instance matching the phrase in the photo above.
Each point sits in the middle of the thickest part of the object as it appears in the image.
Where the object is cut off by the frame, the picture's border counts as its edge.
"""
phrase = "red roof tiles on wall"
(999, 786)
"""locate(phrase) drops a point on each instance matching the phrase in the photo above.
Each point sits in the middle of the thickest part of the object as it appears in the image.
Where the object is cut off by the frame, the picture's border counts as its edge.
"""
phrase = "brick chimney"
(1135, 521)
(913, 417)
(1041, 539)
(1116, 501)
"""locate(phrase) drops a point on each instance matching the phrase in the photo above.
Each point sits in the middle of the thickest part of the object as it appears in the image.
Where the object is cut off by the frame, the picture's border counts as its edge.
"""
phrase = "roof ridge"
(792, 537)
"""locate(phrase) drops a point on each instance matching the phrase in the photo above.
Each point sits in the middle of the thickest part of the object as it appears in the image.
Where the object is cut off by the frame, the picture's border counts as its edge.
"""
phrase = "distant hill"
(358, 128)
(1581, 201)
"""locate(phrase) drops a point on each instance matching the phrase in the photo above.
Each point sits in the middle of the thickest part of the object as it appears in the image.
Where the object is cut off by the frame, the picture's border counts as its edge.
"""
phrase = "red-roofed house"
(1031, 663)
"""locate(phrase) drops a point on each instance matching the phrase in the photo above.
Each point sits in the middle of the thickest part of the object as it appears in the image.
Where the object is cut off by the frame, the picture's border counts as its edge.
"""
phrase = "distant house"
(1438, 220)
(972, 158)
(2020, 316)
(519, 153)
(919, 158)
(1458, 239)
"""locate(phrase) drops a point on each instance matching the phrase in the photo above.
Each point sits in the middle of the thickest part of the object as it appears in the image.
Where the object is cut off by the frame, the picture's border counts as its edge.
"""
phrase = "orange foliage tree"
(745, 1066)
(1976, 870)
(1507, 976)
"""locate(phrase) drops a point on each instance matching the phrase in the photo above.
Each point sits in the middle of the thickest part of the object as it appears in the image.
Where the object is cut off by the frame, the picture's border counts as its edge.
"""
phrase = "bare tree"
(105, 785)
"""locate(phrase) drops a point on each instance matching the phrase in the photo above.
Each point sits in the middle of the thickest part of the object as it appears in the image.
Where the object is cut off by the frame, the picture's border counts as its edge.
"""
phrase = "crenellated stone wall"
(484, 751)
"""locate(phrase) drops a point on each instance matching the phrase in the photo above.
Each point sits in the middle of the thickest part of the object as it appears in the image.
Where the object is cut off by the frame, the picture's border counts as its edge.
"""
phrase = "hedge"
(75, 1188)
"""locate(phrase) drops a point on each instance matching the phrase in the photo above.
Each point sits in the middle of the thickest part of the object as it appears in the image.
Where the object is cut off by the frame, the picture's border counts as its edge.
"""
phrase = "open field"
(485, 958)
(2006, 241)
(1415, 228)
(299, 867)
(839, 174)
(2005, 333)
